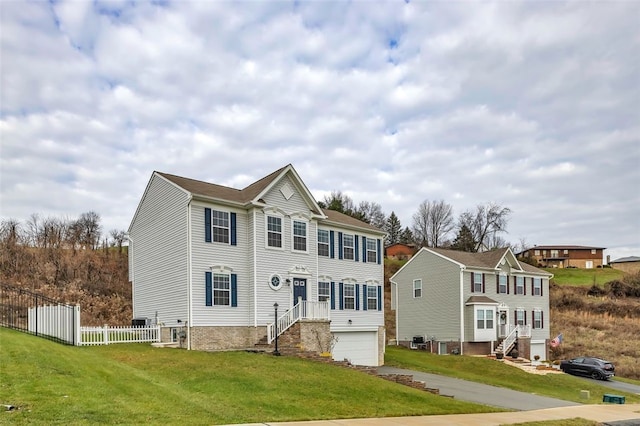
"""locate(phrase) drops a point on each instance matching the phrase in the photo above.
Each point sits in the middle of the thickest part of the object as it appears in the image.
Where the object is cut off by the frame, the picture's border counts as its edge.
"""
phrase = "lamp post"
(275, 307)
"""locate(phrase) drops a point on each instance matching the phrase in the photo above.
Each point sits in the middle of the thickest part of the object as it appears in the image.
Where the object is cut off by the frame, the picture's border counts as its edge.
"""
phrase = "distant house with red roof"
(399, 251)
(565, 256)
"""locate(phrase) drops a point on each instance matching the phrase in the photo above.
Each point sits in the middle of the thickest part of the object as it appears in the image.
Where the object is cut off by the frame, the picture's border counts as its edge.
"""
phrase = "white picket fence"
(62, 322)
(108, 335)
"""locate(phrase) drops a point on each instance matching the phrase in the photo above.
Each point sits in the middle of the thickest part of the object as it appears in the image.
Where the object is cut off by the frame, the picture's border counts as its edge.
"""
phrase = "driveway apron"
(482, 394)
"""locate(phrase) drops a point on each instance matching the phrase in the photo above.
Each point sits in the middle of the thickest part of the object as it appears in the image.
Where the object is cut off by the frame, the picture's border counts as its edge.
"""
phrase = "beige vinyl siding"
(206, 255)
(437, 312)
(159, 258)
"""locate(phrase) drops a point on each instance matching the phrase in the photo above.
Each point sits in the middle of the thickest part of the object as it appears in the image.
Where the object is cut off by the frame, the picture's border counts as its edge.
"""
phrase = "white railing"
(516, 331)
(302, 310)
(505, 329)
(107, 335)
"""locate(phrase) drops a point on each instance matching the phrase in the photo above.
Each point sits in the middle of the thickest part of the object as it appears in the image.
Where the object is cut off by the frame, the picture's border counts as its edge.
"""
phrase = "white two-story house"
(213, 262)
(472, 303)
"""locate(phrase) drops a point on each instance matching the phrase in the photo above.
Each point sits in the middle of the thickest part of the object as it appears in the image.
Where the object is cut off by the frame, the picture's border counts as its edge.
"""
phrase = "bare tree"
(118, 237)
(90, 229)
(339, 202)
(432, 222)
(372, 213)
(487, 221)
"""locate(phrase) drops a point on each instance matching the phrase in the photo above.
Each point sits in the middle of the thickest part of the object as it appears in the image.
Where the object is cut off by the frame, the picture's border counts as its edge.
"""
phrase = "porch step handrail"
(302, 310)
(509, 341)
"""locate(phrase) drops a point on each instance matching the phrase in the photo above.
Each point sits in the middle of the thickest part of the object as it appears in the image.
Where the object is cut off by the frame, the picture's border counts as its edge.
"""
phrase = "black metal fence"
(41, 316)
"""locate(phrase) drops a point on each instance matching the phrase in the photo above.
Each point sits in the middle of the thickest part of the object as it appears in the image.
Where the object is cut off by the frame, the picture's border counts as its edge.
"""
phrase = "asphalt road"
(480, 393)
(614, 384)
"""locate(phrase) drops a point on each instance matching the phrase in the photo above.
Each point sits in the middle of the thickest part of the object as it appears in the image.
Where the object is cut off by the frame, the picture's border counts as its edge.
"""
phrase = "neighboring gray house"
(212, 261)
(459, 302)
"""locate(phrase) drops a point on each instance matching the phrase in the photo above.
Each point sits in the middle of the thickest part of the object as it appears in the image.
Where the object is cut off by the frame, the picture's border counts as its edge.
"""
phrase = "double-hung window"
(537, 286)
(477, 283)
(520, 319)
(324, 291)
(323, 242)
(274, 231)
(347, 247)
(417, 288)
(372, 298)
(349, 297)
(519, 285)
(220, 226)
(537, 319)
(484, 319)
(372, 250)
(299, 235)
(502, 284)
(221, 290)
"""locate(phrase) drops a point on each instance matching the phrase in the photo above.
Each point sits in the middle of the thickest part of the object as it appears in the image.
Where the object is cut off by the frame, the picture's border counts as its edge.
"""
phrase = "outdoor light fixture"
(288, 281)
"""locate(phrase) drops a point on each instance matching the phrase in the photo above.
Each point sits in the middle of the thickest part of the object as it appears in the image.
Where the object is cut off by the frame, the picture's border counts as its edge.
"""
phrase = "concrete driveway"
(482, 394)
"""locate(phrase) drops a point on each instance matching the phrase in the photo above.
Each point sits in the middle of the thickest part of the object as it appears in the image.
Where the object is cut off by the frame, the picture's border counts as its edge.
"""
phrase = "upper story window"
(221, 290)
(477, 282)
(324, 291)
(417, 288)
(537, 286)
(565, 251)
(323, 242)
(537, 319)
(348, 248)
(502, 286)
(372, 250)
(299, 235)
(554, 253)
(537, 252)
(349, 296)
(593, 251)
(274, 231)
(520, 317)
(519, 285)
(372, 298)
(220, 226)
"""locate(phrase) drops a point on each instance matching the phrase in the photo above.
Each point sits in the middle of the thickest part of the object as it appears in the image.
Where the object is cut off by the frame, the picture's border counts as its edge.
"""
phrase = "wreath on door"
(503, 316)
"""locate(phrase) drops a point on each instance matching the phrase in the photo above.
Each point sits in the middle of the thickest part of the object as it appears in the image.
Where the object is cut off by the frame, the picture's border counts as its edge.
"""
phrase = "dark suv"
(595, 368)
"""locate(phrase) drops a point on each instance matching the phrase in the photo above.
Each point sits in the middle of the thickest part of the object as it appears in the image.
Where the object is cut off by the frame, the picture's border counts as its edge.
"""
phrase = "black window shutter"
(379, 297)
(207, 225)
(357, 297)
(473, 287)
(379, 243)
(364, 297)
(333, 294)
(340, 246)
(332, 247)
(234, 240)
(208, 292)
(355, 248)
(341, 295)
(234, 290)
(483, 290)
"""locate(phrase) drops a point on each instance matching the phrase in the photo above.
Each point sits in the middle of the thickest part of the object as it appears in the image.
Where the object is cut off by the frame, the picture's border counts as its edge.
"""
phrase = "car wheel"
(595, 375)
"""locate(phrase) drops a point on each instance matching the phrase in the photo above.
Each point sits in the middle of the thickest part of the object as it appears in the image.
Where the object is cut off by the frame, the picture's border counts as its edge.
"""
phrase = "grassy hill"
(137, 384)
(584, 277)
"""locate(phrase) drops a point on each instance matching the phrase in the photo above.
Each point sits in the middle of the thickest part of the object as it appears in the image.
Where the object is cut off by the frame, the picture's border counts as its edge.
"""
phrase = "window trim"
(372, 289)
(536, 320)
(500, 284)
(518, 286)
(345, 297)
(267, 231)
(537, 287)
(370, 251)
(352, 247)
(214, 289)
(328, 295)
(475, 283)
(417, 281)
(487, 319)
(293, 235)
(524, 316)
(327, 243)
(214, 226)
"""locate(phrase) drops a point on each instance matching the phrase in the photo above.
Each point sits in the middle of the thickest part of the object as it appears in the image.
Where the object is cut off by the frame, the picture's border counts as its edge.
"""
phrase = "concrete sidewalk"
(599, 413)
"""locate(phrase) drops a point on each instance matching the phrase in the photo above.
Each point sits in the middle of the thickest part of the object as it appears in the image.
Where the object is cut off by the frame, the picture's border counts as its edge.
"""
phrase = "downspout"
(255, 273)
(189, 273)
(395, 299)
(132, 272)
(461, 310)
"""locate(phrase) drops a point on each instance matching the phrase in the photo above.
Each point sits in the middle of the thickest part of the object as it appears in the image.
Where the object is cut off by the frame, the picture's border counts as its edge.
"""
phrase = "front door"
(299, 290)
(503, 323)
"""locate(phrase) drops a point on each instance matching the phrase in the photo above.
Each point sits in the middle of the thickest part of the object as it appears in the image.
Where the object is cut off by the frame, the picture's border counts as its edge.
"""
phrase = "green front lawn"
(137, 384)
(492, 372)
(584, 277)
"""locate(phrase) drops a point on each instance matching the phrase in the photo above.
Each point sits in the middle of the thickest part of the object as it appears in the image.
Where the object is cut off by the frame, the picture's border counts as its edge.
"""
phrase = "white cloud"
(531, 105)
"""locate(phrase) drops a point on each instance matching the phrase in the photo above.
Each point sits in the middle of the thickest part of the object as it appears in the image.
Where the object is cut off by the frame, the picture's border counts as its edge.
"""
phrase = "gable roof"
(253, 193)
(561, 247)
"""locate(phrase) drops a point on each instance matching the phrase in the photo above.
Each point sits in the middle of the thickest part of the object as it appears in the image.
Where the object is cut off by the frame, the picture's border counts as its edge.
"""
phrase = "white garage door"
(537, 348)
(359, 347)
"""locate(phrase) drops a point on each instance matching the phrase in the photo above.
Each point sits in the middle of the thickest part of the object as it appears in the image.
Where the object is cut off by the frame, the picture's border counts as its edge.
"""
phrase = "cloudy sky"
(532, 105)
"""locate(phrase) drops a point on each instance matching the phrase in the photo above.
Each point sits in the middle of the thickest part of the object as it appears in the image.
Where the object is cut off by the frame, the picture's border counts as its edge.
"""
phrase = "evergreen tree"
(464, 240)
(393, 229)
(406, 237)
